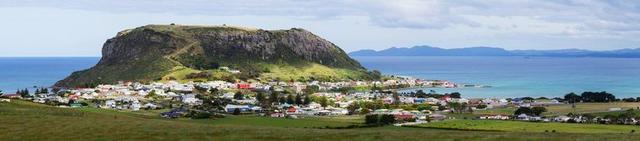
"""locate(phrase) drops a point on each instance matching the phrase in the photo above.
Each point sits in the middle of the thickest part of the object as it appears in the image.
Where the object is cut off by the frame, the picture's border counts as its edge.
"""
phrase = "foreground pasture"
(24, 121)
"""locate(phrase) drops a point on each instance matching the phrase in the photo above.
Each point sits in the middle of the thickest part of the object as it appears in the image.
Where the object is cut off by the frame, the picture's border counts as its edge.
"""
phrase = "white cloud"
(353, 24)
(611, 17)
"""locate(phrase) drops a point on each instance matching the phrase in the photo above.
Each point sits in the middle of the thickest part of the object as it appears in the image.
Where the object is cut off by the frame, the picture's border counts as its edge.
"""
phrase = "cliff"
(162, 52)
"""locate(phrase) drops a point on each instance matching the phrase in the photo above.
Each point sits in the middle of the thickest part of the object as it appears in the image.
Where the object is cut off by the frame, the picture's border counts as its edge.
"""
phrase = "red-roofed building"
(243, 86)
(11, 96)
(292, 110)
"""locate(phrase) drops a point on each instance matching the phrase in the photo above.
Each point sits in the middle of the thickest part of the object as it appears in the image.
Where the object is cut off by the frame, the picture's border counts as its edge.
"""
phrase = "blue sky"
(80, 27)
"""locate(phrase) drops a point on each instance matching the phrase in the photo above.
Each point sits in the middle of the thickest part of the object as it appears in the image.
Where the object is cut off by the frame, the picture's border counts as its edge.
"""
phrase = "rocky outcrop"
(149, 52)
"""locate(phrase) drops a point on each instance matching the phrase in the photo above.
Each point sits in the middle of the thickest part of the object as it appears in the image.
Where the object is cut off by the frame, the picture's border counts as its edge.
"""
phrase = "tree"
(273, 98)
(298, 100)
(24, 93)
(282, 100)
(311, 89)
(260, 97)
(151, 94)
(455, 95)
(238, 96)
(597, 97)
(290, 99)
(538, 110)
(213, 91)
(458, 107)
(323, 101)
(353, 107)
(572, 97)
(523, 110)
(396, 98)
(424, 107)
(307, 100)
(1, 93)
(236, 111)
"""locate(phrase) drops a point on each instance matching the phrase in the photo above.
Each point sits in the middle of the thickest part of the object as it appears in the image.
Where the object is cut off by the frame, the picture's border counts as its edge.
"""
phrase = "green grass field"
(564, 109)
(521, 126)
(24, 121)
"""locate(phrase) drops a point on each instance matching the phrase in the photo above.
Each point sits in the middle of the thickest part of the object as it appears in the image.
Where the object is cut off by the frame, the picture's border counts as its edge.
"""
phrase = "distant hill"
(494, 51)
(178, 52)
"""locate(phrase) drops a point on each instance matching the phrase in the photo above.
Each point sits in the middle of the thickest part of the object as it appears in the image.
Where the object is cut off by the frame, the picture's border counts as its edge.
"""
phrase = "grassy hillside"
(521, 126)
(23, 121)
(564, 109)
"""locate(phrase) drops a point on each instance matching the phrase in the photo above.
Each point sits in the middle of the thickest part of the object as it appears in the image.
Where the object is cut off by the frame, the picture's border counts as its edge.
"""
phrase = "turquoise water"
(509, 76)
(20, 73)
(519, 76)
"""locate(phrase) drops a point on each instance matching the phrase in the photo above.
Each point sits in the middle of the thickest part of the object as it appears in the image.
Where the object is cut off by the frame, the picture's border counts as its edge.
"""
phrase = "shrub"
(236, 111)
(371, 119)
(199, 114)
(387, 119)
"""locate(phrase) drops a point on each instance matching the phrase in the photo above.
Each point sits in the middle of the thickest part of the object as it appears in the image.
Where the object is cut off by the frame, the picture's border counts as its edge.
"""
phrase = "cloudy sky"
(80, 27)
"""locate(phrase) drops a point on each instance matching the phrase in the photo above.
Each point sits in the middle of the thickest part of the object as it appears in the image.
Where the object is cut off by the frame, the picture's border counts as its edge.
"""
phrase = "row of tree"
(23, 93)
(535, 111)
(590, 97)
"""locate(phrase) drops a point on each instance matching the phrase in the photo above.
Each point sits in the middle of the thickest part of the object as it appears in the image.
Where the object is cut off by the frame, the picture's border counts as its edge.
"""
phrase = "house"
(110, 104)
(277, 114)
(523, 117)
(190, 99)
(231, 108)
(561, 118)
(12, 96)
(135, 105)
(437, 117)
(495, 117)
(149, 106)
(243, 86)
(292, 110)
(175, 113)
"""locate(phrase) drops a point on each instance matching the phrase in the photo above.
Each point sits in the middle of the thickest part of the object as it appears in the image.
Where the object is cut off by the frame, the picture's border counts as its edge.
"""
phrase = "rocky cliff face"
(148, 53)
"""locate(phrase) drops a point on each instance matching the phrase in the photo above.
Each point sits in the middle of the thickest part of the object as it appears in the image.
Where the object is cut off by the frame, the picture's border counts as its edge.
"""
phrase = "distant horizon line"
(50, 56)
(507, 49)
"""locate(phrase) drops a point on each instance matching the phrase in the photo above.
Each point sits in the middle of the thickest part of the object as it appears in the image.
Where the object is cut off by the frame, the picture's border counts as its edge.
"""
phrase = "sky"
(79, 27)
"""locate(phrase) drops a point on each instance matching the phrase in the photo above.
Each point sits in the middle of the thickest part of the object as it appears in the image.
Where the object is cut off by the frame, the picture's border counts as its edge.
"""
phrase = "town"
(380, 101)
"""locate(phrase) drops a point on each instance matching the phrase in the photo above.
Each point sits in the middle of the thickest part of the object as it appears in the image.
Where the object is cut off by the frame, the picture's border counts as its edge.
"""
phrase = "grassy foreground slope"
(23, 121)
(520, 126)
(564, 109)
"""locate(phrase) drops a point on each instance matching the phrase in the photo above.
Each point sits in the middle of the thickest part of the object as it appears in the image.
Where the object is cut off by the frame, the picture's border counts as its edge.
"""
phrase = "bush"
(236, 111)
(387, 119)
(371, 119)
(199, 114)
(375, 119)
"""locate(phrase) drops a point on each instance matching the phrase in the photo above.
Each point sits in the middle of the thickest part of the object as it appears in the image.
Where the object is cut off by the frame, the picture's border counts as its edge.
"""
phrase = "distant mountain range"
(494, 51)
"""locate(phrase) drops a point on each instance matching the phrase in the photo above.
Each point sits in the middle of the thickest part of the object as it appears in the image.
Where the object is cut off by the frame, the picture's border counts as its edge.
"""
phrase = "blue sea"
(519, 76)
(508, 76)
(29, 72)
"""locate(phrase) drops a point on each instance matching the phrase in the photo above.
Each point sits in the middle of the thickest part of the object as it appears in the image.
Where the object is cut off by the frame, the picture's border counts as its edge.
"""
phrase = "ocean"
(508, 76)
(519, 76)
(29, 72)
